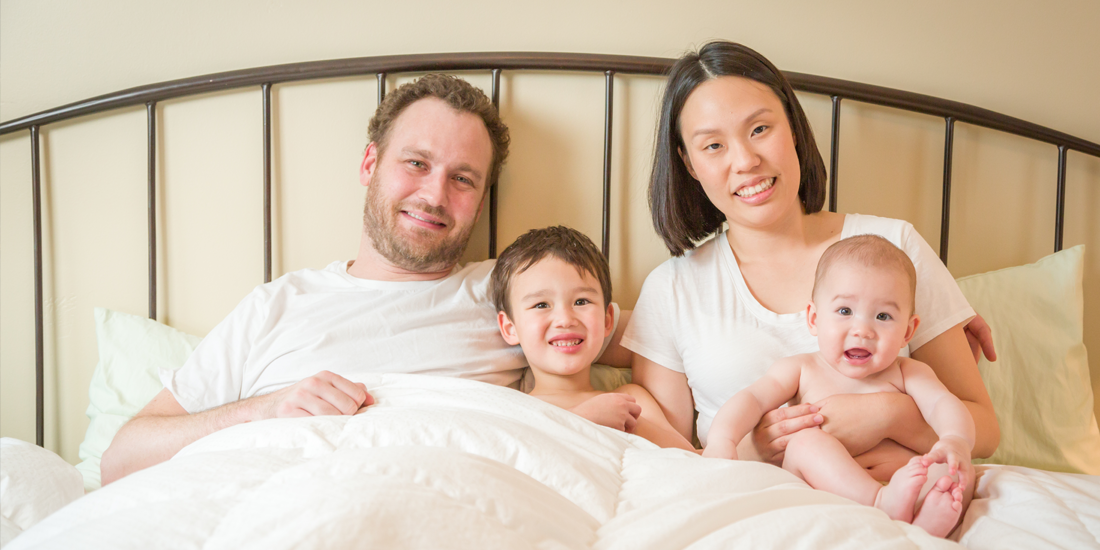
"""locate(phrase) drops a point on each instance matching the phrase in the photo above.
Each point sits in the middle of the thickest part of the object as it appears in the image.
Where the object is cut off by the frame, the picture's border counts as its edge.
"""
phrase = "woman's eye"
(883, 317)
(844, 311)
(759, 130)
(713, 146)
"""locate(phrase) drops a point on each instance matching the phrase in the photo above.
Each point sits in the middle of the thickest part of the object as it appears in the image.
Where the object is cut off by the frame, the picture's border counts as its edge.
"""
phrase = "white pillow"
(34, 483)
(1040, 382)
(131, 351)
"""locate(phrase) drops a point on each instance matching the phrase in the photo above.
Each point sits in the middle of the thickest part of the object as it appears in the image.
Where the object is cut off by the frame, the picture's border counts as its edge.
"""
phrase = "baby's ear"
(507, 329)
(811, 317)
(911, 330)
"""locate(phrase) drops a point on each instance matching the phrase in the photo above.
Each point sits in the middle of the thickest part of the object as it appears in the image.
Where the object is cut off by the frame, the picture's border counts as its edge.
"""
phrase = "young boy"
(862, 314)
(552, 289)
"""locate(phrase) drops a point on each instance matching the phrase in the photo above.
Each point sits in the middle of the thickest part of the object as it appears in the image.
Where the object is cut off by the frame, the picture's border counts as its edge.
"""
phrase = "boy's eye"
(540, 305)
(883, 317)
(582, 302)
(844, 311)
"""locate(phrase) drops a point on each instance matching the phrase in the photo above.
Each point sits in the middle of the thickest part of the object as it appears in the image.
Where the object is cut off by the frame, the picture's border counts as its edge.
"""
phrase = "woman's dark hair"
(682, 213)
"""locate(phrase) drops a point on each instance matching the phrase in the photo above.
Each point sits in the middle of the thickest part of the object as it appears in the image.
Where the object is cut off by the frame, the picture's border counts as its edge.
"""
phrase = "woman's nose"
(743, 157)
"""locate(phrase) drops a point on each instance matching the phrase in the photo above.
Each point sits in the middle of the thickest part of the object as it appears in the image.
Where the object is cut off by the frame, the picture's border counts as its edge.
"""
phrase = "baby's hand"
(955, 452)
(614, 410)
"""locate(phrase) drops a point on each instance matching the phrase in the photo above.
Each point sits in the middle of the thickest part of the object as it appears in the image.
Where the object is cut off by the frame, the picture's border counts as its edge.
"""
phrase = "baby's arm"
(652, 423)
(944, 412)
(743, 411)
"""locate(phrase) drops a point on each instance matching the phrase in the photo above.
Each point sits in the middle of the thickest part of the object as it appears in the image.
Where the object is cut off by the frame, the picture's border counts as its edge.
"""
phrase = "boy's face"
(862, 318)
(558, 317)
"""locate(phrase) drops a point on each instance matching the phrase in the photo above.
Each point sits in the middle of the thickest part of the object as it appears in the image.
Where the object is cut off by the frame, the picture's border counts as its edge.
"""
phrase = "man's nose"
(433, 189)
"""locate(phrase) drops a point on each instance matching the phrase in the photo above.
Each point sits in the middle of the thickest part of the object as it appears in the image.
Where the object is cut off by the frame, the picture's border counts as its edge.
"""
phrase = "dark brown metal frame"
(610, 65)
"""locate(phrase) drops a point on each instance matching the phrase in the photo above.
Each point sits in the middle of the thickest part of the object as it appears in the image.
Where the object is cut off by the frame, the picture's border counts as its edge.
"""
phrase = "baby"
(862, 314)
(552, 289)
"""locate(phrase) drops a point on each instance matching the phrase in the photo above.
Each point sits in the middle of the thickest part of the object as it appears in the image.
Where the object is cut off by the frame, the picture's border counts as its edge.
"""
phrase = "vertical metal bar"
(834, 161)
(381, 87)
(151, 162)
(945, 212)
(1060, 208)
(267, 181)
(495, 93)
(39, 344)
(609, 100)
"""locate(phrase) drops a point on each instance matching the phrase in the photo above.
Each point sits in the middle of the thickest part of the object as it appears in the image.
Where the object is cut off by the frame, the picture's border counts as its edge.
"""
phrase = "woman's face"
(738, 144)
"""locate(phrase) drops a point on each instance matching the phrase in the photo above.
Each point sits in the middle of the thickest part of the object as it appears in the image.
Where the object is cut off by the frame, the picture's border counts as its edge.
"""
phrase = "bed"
(453, 463)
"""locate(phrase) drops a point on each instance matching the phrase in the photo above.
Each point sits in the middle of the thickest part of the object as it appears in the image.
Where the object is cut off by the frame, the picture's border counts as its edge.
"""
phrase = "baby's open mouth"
(857, 354)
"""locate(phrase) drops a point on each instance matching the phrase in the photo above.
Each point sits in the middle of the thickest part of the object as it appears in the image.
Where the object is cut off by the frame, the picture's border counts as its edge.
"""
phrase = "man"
(437, 145)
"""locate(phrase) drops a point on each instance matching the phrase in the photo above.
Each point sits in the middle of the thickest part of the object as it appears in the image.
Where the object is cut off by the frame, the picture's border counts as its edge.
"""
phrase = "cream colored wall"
(1032, 61)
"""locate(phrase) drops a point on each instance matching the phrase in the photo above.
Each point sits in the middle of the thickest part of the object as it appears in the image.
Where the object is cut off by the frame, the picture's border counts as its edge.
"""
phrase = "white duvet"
(446, 463)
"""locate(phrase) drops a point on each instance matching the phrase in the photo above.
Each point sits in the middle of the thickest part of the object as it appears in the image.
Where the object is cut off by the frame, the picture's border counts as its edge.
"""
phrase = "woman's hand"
(775, 428)
(862, 421)
(980, 338)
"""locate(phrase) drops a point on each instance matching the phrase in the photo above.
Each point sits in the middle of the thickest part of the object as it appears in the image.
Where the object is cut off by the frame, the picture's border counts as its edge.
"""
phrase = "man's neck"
(371, 265)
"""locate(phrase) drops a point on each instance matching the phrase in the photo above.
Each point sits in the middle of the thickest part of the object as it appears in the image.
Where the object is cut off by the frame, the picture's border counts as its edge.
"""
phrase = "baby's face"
(862, 318)
(558, 317)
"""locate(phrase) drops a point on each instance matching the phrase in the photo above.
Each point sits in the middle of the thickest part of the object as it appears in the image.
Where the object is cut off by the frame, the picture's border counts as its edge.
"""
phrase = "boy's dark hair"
(682, 213)
(870, 251)
(565, 243)
(460, 95)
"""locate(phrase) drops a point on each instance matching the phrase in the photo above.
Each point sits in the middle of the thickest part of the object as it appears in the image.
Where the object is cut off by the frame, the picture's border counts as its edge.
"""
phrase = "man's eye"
(417, 163)
(759, 130)
(844, 311)
(465, 180)
(883, 317)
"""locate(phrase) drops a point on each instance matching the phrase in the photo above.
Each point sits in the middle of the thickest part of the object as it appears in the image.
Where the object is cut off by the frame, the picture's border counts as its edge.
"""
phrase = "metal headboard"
(495, 62)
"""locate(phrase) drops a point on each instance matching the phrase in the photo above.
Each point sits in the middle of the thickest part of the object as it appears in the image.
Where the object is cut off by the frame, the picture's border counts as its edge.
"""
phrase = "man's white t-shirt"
(696, 315)
(313, 320)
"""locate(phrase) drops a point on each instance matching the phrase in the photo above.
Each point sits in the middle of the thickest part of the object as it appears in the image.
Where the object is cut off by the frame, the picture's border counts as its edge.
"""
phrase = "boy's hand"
(955, 452)
(614, 410)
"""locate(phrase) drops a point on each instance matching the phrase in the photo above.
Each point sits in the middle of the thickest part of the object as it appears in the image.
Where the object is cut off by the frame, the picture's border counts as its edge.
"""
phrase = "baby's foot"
(898, 498)
(941, 508)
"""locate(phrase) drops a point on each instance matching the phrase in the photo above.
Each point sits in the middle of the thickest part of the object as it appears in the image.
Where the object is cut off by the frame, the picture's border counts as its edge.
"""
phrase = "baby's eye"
(759, 130)
(582, 302)
(883, 317)
(844, 311)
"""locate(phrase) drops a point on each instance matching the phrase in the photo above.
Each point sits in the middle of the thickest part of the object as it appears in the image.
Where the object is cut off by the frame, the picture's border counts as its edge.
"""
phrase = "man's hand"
(776, 426)
(323, 394)
(614, 410)
(980, 338)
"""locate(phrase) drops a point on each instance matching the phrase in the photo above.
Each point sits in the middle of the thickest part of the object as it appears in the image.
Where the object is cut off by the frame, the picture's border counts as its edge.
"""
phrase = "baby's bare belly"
(884, 459)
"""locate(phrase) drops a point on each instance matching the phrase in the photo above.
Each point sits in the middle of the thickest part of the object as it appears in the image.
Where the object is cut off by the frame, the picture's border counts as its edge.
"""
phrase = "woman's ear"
(507, 329)
(811, 318)
(687, 162)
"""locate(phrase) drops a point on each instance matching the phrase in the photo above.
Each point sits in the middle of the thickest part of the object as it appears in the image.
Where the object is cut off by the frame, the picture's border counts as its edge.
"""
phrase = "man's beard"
(380, 223)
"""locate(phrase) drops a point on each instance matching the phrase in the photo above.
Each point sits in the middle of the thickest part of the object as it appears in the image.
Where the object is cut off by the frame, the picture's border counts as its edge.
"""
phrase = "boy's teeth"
(747, 192)
(566, 343)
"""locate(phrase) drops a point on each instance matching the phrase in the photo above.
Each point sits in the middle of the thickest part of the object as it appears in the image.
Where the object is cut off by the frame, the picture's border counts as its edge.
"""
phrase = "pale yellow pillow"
(1040, 382)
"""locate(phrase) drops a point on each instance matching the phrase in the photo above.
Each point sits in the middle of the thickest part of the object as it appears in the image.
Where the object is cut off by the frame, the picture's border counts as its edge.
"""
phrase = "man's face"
(425, 191)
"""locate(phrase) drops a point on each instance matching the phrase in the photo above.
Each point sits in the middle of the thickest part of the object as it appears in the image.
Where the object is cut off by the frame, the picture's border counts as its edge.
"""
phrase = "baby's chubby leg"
(825, 464)
(943, 500)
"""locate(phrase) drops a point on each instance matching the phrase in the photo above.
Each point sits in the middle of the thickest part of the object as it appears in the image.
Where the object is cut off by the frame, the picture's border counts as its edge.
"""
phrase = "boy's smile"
(861, 317)
(558, 316)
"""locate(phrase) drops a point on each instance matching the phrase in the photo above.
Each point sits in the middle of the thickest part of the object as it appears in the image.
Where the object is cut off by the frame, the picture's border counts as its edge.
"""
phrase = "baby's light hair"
(565, 243)
(870, 251)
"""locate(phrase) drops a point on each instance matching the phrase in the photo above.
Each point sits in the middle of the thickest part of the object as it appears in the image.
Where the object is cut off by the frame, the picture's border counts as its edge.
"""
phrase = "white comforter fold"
(446, 463)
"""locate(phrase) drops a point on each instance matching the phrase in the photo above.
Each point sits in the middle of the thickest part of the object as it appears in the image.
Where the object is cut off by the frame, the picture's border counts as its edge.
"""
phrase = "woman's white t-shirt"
(695, 315)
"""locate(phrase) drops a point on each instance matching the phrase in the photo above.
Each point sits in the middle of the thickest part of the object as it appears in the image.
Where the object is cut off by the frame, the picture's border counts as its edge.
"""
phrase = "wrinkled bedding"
(445, 463)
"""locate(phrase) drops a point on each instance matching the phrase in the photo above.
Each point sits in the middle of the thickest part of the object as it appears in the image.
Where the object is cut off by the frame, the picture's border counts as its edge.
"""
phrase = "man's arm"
(163, 427)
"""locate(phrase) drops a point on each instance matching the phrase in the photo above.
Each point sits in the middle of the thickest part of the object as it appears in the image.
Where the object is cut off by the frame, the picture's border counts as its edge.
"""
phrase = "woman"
(734, 146)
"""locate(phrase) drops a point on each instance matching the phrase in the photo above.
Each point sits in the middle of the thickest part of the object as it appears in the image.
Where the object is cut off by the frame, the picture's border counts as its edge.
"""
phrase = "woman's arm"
(652, 423)
(670, 390)
(949, 357)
